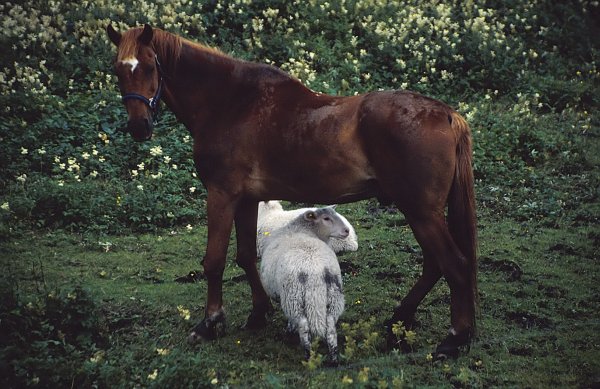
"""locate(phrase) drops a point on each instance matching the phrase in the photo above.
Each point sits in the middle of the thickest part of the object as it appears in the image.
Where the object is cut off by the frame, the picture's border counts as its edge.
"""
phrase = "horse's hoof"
(256, 321)
(452, 345)
(209, 328)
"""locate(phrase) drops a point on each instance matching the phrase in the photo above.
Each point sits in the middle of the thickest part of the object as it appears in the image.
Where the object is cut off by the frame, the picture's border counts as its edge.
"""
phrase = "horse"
(260, 134)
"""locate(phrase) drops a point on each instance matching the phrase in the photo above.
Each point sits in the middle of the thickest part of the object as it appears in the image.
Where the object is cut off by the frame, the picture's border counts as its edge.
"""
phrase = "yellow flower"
(411, 337)
(24, 151)
(446, 368)
(184, 313)
(398, 328)
(153, 375)
(363, 375)
(156, 151)
(97, 357)
(347, 380)
(162, 351)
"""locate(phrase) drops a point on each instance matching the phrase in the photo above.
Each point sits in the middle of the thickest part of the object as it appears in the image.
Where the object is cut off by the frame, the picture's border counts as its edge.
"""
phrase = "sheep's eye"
(327, 218)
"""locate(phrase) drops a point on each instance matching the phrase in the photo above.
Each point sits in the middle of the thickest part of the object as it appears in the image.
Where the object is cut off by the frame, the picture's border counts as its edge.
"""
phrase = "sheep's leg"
(291, 334)
(290, 328)
(304, 334)
(332, 344)
(245, 229)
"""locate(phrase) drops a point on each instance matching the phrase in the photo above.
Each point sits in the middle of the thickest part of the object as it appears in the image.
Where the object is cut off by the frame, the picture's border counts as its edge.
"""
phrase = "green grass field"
(538, 325)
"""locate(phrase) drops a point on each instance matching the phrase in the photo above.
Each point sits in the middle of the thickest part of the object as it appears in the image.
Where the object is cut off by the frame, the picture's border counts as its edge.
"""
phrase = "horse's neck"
(200, 80)
(207, 85)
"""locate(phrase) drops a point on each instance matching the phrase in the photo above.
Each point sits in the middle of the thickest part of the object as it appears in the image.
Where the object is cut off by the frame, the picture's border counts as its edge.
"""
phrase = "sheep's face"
(327, 223)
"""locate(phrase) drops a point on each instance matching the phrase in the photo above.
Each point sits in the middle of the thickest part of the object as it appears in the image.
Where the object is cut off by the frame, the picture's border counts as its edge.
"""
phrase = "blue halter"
(152, 102)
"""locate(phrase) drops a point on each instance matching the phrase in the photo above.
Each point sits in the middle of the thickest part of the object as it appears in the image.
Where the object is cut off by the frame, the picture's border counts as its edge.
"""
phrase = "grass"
(538, 324)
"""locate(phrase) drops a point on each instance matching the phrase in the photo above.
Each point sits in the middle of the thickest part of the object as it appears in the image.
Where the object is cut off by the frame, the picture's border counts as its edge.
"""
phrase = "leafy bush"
(45, 341)
(525, 73)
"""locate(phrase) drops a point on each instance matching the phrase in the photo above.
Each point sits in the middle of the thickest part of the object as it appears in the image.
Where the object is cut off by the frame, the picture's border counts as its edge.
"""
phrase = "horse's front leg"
(245, 229)
(220, 213)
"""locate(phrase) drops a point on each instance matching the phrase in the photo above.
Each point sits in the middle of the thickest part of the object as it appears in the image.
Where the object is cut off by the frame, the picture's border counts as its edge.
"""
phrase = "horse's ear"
(146, 37)
(113, 34)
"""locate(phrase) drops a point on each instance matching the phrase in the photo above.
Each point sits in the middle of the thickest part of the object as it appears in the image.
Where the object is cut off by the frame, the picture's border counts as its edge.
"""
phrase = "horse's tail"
(462, 219)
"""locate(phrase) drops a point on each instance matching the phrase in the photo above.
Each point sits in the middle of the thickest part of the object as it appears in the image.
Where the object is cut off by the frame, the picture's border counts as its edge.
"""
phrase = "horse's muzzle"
(140, 129)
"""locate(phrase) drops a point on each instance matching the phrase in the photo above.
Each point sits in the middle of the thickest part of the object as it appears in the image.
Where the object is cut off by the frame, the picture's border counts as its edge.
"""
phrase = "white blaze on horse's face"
(131, 61)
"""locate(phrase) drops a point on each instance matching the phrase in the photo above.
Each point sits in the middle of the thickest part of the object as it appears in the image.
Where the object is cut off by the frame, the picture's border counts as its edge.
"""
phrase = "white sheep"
(300, 270)
(272, 216)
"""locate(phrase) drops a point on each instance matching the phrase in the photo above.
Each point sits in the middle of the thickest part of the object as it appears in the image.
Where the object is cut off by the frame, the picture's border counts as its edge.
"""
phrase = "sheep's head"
(326, 223)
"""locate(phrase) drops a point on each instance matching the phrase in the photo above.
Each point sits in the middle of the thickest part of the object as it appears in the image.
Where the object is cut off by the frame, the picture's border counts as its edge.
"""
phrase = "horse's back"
(411, 145)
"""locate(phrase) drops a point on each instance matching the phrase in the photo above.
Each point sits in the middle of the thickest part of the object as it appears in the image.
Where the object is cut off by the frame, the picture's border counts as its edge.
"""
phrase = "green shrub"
(528, 68)
(47, 340)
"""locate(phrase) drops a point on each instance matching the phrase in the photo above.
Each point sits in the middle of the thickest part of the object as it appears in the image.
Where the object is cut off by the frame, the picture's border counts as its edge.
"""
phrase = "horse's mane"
(166, 45)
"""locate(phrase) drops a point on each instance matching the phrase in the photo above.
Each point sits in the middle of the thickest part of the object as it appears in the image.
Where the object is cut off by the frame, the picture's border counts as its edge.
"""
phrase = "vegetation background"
(95, 228)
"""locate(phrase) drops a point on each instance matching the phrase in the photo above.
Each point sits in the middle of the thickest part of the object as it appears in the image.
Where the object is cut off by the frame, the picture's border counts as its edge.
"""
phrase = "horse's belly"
(315, 186)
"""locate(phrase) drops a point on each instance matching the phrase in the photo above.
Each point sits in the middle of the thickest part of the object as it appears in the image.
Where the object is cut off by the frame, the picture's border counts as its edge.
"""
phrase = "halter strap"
(152, 102)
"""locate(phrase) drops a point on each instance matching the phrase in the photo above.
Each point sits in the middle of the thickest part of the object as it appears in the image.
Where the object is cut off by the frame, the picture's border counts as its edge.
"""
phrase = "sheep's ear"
(332, 206)
(114, 35)
(310, 215)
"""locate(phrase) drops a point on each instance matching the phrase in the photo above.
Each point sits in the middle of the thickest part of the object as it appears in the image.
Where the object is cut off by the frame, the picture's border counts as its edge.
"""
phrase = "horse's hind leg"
(245, 228)
(442, 256)
(405, 311)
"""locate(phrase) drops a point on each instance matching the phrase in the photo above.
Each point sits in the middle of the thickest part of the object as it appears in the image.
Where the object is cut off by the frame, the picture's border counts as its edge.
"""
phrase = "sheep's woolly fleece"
(301, 271)
(272, 216)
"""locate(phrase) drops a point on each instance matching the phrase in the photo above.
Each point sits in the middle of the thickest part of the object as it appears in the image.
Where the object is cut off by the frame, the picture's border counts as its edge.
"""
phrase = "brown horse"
(259, 134)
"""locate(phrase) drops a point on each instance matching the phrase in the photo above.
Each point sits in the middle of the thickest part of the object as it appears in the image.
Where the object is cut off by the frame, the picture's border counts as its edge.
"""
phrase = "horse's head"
(140, 78)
